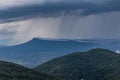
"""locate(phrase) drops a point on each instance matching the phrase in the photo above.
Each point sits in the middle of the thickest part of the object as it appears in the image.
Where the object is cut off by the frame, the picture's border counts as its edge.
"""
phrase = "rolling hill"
(37, 51)
(95, 64)
(11, 71)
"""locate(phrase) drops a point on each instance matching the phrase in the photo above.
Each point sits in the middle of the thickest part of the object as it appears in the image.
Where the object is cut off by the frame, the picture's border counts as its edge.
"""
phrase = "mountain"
(37, 51)
(11, 71)
(95, 64)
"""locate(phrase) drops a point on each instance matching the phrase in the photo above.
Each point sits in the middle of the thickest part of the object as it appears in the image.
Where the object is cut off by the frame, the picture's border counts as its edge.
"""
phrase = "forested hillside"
(95, 64)
(11, 71)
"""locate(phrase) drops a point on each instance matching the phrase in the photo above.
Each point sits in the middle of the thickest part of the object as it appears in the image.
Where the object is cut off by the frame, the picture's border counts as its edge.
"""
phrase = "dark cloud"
(45, 10)
(53, 9)
(93, 20)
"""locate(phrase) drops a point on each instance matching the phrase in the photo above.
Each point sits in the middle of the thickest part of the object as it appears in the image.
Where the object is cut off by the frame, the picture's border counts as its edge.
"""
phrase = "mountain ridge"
(94, 64)
(39, 51)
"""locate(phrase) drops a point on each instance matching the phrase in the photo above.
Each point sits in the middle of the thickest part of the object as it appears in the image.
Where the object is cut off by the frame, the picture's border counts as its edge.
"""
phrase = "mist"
(102, 26)
(20, 20)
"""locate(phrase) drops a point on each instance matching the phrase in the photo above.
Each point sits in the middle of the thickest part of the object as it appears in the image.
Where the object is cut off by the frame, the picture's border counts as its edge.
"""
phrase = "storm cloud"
(55, 8)
(22, 20)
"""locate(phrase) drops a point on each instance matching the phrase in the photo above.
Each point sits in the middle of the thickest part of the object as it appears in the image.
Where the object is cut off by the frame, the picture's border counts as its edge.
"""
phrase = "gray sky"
(22, 20)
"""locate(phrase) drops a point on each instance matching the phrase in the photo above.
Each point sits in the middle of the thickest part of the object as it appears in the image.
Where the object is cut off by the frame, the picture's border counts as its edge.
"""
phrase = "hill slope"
(37, 51)
(95, 64)
(11, 71)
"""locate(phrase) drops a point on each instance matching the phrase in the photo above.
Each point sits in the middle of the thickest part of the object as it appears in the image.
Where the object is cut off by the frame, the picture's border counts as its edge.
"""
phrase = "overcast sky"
(22, 20)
